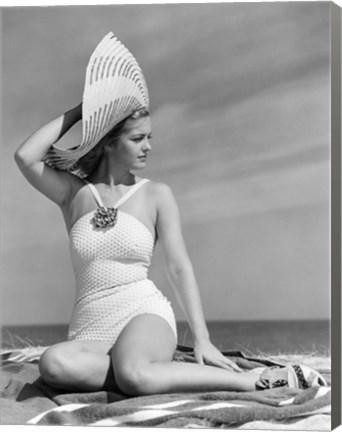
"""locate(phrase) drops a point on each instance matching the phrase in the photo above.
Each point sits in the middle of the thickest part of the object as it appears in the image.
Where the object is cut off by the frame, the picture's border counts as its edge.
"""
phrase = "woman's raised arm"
(54, 184)
(182, 278)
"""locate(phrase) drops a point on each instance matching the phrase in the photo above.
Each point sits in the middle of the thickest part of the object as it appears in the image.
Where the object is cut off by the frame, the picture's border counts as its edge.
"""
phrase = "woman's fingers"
(198, 357)
(232, 364)
(225, 364)
(209, 354)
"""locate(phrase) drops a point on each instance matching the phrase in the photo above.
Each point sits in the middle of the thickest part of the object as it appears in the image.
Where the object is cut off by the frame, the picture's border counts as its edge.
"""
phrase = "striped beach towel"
(26, 399)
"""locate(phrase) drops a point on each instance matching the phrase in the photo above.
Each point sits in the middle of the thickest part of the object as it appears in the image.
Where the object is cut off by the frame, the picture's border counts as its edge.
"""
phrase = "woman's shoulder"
(159, 190)
(160, 193)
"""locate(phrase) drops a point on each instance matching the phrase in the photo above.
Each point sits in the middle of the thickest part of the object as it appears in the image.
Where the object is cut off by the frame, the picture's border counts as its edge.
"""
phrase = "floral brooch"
(105, 217)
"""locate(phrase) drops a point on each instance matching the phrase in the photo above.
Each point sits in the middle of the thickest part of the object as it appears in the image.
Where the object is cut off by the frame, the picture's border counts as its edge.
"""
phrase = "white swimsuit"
(111, 266)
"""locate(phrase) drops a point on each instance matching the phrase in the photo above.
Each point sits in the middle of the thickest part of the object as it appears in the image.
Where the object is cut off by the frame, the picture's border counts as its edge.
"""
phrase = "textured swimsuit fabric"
(111, 268)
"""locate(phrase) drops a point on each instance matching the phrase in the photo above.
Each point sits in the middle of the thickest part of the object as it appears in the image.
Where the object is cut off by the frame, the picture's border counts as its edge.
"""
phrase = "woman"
(122, 334)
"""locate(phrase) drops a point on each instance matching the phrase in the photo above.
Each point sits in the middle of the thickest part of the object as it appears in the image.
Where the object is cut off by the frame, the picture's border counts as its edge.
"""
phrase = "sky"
(240, 114)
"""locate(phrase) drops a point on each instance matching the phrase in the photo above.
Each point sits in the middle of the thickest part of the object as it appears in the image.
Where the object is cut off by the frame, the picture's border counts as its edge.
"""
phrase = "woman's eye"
(140, 138)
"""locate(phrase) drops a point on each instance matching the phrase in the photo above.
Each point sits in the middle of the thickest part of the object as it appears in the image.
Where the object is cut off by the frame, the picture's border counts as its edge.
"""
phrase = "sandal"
(293, 376)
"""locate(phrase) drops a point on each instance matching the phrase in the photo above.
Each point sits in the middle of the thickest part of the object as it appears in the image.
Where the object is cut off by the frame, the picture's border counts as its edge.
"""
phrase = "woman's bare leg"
(142, 363)
(78, 366)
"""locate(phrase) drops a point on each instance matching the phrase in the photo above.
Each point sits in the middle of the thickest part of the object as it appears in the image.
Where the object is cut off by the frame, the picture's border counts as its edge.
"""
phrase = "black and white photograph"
(166, 215)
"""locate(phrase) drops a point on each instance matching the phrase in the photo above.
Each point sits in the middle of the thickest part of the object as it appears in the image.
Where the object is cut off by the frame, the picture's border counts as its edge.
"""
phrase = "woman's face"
(132, 147)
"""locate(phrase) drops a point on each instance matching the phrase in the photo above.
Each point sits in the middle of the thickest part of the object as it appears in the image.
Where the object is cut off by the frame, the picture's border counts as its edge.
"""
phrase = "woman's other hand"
(206, 352)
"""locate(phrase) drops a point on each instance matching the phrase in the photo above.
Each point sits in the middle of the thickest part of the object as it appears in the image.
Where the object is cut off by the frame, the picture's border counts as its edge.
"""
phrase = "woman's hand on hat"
(206, 352)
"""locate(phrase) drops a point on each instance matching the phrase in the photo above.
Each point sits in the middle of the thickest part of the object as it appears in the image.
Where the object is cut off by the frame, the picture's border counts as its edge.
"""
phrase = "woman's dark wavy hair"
(88, 163)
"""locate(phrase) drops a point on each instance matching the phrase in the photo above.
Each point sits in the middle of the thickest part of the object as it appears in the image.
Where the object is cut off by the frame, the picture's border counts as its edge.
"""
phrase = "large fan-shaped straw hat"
(114, 88)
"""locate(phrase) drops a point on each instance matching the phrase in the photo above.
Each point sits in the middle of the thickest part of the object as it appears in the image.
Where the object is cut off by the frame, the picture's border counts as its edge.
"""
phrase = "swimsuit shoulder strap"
(95, 193)
(131, 192)
(124, 198)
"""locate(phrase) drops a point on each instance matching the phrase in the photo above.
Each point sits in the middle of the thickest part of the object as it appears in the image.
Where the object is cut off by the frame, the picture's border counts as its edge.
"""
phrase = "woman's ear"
(108, 144)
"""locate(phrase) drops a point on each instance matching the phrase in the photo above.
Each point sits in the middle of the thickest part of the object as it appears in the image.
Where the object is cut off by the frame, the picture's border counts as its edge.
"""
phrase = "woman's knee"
(54, 366)
(147, 339)
(135, 378)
